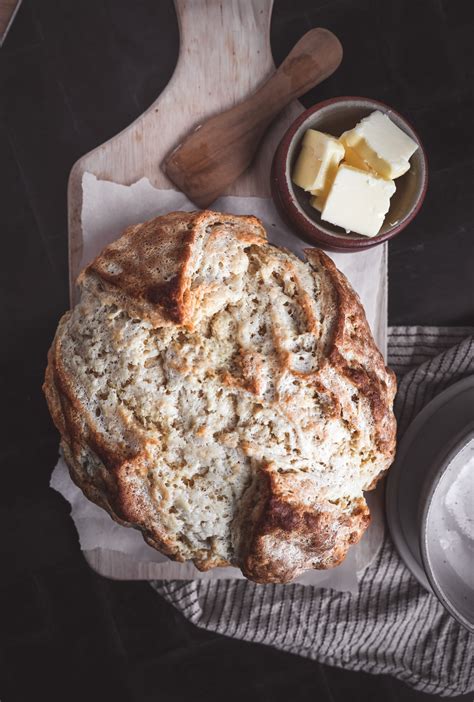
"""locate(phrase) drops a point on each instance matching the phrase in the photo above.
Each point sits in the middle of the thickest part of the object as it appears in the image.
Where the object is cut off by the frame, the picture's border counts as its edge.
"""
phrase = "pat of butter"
(352, 158)
(319, 157)
(385, 147)
(319, 196)
(358, 201)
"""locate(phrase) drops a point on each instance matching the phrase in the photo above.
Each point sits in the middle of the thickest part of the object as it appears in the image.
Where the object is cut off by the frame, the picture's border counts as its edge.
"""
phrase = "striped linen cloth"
(392, 625)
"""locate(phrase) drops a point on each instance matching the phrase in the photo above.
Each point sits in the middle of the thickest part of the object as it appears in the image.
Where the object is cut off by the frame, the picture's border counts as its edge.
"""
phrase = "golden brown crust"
(352, 339)
(281, 528)
(109, 487)
(148, 270)
(281, 536)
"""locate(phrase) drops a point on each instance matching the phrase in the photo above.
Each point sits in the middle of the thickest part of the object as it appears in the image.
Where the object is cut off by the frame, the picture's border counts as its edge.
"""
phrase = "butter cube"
(352, 158)
(358, 201)
(385, 147)
(319, 157)
(319, 196)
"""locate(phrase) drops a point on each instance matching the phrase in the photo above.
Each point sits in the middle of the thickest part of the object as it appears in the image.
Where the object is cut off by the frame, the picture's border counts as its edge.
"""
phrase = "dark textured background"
(72, 74)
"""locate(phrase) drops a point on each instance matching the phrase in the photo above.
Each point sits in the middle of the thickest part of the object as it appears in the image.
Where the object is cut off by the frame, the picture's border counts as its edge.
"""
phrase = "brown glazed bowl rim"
(308, 229)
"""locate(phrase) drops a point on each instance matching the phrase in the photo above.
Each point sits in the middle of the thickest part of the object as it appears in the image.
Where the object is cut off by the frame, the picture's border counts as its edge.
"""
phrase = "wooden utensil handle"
(313, 59)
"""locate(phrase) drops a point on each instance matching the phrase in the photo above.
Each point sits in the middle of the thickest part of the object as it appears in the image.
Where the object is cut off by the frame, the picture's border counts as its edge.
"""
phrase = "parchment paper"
(107, 209)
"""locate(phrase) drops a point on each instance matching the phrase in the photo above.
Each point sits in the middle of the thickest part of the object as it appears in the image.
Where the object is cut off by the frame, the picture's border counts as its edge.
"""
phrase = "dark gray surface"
(73, 74)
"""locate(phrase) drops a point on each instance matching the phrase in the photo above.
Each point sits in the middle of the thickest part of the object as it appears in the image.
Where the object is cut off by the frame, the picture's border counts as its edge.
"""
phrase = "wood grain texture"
(224, 56)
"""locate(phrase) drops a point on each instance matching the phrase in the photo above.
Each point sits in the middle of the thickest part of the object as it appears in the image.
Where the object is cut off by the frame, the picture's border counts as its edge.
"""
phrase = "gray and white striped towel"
(392, 625)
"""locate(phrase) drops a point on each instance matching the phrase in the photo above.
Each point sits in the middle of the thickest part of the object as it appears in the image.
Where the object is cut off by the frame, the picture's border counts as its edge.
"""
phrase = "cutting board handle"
(235, 36)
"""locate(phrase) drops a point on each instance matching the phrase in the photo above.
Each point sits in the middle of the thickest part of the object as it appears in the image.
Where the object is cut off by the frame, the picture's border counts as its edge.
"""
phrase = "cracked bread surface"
(223, 396)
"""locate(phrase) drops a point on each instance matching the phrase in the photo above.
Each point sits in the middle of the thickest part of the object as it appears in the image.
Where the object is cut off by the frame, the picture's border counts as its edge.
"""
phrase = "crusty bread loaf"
(223, 396)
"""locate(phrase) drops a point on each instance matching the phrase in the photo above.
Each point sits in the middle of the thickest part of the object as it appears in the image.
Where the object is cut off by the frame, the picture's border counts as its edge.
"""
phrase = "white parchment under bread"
(108, 208)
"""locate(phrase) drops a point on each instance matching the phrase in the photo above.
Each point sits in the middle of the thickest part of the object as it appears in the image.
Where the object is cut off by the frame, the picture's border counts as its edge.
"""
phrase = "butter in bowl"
(349, 174)
(351, 179)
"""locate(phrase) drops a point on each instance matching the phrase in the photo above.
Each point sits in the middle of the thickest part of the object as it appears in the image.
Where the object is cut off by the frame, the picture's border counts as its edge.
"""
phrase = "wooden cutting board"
(224, 55)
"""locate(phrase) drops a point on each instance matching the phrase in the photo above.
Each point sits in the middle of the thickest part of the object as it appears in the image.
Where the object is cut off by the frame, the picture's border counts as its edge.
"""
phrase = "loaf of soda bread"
(223, 396)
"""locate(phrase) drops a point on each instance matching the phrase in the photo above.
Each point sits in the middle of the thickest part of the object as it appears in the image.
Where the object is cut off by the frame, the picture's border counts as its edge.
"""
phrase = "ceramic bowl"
(429, 457)
(334, 117)
(447, 539)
